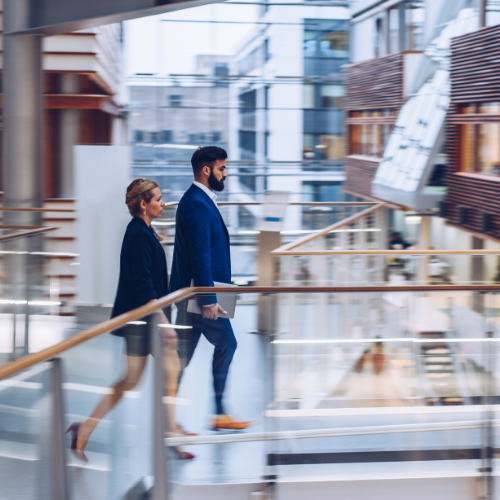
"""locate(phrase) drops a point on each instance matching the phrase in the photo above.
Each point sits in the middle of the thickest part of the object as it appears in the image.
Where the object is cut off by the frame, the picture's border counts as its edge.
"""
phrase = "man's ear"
(207, 171)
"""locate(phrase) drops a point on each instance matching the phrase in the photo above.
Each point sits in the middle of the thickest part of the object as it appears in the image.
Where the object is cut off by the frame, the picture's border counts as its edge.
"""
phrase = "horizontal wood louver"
(374, 84)
(475, 66)
(360, 172)
(370, 85)
(475, 79)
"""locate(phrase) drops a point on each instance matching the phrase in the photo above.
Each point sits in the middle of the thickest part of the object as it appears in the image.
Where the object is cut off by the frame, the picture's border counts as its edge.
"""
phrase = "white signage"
(273, 212)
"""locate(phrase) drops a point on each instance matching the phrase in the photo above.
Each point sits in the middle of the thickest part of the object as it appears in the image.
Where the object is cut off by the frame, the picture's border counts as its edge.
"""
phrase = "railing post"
(160, 488)
(53, 480)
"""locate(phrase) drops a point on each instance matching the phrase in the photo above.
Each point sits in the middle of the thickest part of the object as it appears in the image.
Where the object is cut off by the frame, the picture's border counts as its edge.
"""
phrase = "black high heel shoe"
(80, 455)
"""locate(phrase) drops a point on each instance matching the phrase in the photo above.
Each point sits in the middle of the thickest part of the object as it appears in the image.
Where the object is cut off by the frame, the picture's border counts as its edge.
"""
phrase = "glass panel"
(309, 96)
(490, 107)
(332, 146)
(489, 148)
(333, 44)
(415, 18)
(347, 363)
(394, 30)
(332, 96)
(25, 418)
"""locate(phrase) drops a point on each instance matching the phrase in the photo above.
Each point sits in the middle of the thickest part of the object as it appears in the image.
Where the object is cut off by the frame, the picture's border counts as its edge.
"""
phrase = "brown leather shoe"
(227, 423)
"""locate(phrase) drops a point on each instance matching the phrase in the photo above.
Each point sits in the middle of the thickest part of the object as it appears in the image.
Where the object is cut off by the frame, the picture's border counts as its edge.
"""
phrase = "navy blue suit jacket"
(143, 269)
(201, 249)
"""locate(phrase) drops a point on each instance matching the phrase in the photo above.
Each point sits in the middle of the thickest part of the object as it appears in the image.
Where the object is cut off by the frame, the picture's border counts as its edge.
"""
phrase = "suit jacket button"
(230, 264)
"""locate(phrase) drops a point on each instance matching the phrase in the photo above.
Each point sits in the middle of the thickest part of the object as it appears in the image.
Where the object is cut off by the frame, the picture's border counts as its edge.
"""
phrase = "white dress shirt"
(209, 192)
(213, 197)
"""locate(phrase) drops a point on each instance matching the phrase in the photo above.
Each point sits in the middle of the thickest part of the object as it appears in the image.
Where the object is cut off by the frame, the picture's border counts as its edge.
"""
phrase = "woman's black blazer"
(143, 270)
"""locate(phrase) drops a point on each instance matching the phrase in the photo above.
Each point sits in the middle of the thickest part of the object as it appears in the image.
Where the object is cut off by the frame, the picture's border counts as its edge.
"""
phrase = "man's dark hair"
(206, 155)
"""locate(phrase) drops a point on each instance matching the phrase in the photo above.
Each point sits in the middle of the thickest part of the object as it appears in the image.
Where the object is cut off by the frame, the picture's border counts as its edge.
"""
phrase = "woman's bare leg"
(135, 367)
(172, 367)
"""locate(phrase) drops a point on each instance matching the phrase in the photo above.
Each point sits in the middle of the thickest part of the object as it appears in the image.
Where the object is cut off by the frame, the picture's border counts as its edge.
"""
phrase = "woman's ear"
(143, 205)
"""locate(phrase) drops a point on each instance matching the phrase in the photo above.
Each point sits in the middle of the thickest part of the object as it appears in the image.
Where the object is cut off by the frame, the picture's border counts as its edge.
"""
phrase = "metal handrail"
(114, 323)
(29, 232)
(285, 249)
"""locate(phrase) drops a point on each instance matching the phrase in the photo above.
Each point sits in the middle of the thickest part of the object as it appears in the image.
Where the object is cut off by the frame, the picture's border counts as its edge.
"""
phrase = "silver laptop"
(226, 300)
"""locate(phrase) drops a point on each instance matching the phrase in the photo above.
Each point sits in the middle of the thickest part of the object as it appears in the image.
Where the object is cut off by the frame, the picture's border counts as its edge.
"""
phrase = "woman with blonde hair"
(143, 280)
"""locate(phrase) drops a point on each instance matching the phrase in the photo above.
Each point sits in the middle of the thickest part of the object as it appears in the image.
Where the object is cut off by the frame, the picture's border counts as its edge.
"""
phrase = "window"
(309, 43)
(415, 17)
(267, 54)
(379, 37)
(221, 69)
(309, 101)
(323, 147)
(216, 136)
(139, 135)
(369, 132)
(248, 101)
(166, 136)
(333, 44)
(492, 12)
(480, 139)
(332, 96)
(316, 191)
(394, 30)
(175, 100)
(250, 62)
(329, 96)
(247, 140)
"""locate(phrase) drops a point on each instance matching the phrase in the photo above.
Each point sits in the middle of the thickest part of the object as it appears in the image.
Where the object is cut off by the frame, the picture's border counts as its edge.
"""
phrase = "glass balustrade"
(37, 290)
(353, 384)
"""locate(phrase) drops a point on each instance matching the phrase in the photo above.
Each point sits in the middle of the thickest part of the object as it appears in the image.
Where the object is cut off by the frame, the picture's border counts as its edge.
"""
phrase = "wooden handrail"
(386, 252)
(284, 249)
(30, 232)
(13, 209)
(112, 324)
(298, 203)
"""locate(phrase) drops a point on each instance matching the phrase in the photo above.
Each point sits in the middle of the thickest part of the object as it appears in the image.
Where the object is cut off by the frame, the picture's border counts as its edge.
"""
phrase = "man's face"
(218, 175)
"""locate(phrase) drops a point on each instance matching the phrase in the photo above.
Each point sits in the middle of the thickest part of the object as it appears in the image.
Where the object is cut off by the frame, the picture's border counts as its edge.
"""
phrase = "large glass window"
(480, 139)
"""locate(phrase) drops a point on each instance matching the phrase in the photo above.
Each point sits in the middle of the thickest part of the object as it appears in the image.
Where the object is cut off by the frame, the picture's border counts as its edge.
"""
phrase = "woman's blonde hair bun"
(138, 190)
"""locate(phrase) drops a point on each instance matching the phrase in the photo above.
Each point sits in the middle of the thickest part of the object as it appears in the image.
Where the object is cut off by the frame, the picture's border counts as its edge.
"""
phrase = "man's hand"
(210, 312)
(170, 338)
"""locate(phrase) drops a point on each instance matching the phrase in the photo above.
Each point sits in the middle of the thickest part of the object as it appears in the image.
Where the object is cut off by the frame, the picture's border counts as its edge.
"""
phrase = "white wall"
(102, 174)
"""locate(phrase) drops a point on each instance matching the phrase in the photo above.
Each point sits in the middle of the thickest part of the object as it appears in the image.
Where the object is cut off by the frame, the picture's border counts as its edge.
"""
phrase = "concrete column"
(70, 136)
(22, 116)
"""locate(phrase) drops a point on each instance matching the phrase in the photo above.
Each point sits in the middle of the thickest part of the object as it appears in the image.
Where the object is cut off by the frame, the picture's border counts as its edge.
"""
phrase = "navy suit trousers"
(220, 334)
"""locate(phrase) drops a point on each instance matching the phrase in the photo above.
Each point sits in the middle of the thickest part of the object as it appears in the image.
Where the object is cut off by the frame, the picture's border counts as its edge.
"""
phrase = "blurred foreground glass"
(355, 383)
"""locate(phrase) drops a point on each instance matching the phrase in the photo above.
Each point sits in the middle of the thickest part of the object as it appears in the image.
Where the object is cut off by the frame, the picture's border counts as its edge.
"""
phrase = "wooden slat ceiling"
(375, 84)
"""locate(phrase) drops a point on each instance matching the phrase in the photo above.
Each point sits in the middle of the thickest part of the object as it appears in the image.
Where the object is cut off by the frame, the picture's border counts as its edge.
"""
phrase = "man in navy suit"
(202, 254)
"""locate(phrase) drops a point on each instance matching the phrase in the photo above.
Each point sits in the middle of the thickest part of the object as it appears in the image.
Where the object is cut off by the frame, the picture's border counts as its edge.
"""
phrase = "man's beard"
(214, 183)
